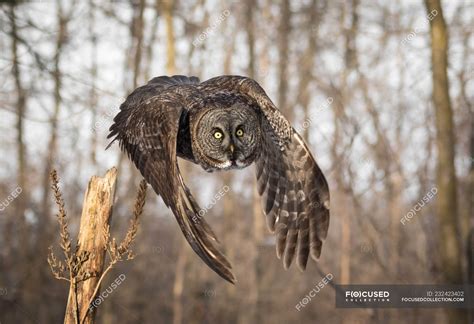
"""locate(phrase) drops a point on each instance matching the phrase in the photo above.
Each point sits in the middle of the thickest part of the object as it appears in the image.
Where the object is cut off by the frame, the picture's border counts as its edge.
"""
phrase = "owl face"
(227, 138)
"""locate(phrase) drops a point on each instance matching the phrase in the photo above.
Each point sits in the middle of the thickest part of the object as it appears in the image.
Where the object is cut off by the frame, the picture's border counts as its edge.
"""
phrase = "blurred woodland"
(383, 92)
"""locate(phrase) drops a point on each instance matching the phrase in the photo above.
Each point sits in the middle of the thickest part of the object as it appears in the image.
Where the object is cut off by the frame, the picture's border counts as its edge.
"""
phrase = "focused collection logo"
(367, 296)
(404, 296)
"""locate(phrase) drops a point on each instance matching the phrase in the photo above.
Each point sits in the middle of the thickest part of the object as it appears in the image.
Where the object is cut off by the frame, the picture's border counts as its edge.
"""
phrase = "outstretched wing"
(146, 128)
(295, 193)
(295, 198)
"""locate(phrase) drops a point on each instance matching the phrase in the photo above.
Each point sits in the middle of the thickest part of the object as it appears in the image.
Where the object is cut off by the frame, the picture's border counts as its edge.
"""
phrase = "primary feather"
(170, 117)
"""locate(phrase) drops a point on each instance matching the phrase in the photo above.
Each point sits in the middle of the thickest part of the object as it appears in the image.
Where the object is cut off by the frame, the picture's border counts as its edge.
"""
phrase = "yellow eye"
(217, 135)
(239, 132)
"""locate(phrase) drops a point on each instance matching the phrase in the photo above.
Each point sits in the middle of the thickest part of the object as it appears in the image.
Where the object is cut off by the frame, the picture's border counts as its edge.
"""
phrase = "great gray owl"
(224, 123)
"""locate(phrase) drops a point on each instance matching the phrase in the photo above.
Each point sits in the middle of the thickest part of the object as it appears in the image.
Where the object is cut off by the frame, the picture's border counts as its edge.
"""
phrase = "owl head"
(225, 135)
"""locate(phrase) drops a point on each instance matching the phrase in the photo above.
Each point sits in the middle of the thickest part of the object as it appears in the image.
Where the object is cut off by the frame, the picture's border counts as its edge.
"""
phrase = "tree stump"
(96, 214)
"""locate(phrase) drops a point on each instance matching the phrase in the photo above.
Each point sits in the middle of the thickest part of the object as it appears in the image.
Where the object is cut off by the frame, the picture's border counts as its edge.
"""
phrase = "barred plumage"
(224, 123)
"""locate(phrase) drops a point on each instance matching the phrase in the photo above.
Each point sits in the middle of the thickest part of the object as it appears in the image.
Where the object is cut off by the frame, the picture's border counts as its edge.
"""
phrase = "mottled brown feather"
(295, 194)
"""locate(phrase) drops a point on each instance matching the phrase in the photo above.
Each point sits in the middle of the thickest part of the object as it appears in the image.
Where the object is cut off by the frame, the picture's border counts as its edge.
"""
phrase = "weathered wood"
(96, 213)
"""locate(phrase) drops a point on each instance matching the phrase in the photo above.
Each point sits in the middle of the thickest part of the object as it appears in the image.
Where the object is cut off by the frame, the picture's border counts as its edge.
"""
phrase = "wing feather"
(294, 191)
(304, 215)
(147, 129)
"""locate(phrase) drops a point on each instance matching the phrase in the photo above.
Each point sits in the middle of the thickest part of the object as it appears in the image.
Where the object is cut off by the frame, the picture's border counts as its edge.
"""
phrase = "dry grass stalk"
(73, 262)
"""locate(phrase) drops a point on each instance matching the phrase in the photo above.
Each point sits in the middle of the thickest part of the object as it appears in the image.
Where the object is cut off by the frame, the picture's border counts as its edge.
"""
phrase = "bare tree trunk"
(350, 57)
(96, 214)
(43, 229)
(20, 107)
(467, 220)
(21, 202)
(153, 34)
(263, 69)
(250, 30)
(283, 49)
(470, 236)
(307, 64)
(133, 69)
(447, 209)
(93, 72)
(346, 220)
(394, 200)
(228, 55)
(179, 282)
(170, 42)
(52, 145)
(138, 25)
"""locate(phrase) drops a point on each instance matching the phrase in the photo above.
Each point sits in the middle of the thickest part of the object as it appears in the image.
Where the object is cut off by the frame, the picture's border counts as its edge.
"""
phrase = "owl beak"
(231, 147)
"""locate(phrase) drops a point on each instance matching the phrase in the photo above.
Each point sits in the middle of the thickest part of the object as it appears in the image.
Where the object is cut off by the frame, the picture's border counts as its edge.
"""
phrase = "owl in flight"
(225, 123)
